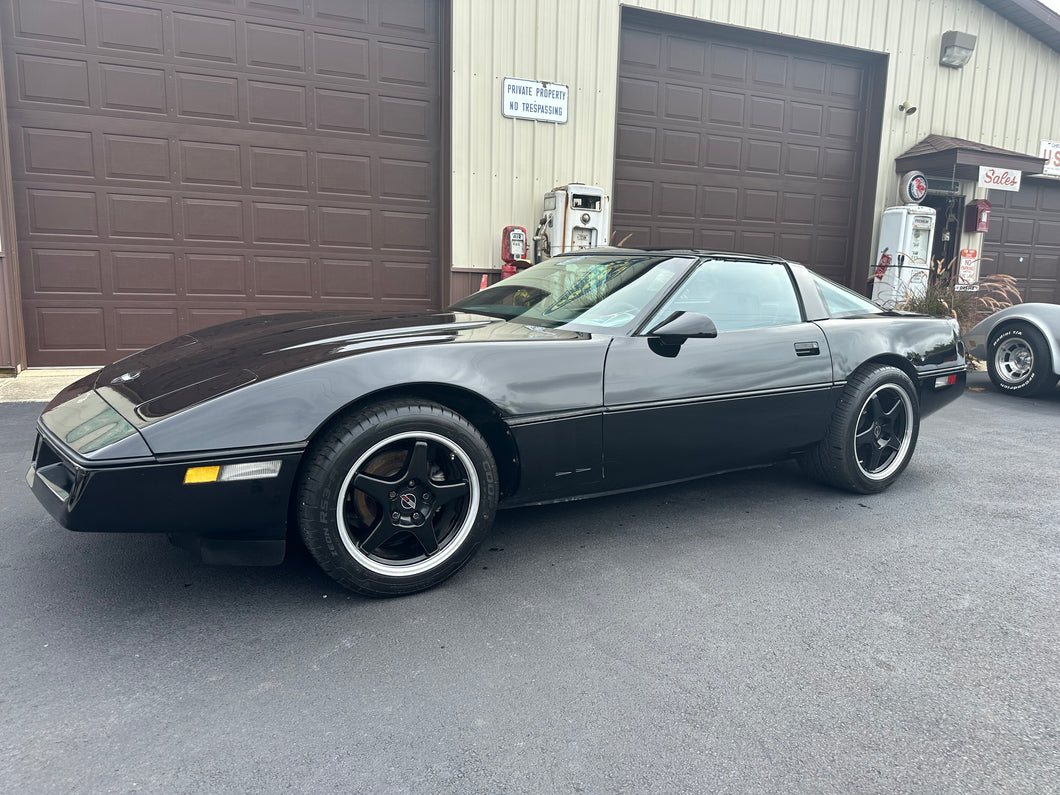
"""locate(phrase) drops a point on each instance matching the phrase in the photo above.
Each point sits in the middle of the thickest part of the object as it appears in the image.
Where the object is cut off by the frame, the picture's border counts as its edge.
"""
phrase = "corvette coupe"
(388, 444)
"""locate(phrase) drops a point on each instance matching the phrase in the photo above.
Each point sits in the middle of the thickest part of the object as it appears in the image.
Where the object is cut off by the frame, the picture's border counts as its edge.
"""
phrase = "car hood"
(196, 367)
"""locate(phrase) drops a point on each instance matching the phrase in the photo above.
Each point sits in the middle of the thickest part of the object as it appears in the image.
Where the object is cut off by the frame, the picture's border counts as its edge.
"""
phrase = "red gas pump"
(513, 250)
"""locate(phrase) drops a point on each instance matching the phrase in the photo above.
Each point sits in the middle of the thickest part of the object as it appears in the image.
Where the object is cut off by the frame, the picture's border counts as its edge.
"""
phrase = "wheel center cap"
(877, 430)
(408, 501)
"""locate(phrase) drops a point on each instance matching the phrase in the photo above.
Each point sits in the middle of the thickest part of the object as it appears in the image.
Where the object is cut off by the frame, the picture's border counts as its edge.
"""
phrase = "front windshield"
(604, 291)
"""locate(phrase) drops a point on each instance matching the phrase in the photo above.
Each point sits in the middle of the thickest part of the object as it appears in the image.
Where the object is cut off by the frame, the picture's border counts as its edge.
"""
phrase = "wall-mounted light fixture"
(956, 48)
(907, 107)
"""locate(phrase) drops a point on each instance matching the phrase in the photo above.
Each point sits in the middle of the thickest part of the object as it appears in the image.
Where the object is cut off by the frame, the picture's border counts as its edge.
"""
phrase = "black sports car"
(389, 443)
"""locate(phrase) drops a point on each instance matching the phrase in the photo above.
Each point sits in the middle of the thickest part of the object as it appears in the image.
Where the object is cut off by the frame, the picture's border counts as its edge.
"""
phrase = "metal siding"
(502, 167)
(1007, 96)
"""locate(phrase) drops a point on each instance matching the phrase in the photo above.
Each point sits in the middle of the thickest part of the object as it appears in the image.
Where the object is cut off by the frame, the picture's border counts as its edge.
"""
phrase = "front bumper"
(149, 496)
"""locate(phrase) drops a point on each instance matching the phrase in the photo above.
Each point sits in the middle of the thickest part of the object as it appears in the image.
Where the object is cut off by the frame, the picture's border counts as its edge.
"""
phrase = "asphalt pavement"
(752, 632)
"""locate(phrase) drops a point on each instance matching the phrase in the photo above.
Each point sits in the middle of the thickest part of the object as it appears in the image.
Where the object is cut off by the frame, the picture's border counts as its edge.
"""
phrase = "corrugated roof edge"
(1030, 15)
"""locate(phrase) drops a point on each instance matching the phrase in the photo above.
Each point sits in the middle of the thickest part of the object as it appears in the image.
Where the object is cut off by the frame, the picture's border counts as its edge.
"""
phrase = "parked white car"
(1021, 346)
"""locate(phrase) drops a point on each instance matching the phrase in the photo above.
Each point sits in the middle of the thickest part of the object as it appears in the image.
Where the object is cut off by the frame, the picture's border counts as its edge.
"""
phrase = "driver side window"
(736, 295)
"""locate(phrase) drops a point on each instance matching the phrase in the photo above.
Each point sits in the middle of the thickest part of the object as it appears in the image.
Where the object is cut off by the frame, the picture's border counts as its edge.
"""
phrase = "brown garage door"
(728, 140)
(1024, 239)
(179, 164)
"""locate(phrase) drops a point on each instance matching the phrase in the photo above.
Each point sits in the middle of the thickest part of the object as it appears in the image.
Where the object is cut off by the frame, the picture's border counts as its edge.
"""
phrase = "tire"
(397, 497)
(1018, 361)
(873, 432)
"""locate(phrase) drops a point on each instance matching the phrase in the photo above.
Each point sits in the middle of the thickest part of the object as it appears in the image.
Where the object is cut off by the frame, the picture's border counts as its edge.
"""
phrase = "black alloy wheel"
(397, 498)
(873, 432)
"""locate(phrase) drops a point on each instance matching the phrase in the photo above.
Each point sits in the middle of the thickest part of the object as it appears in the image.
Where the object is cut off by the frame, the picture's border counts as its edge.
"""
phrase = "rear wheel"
(397, 497)
(1018, 361)
(873, 433)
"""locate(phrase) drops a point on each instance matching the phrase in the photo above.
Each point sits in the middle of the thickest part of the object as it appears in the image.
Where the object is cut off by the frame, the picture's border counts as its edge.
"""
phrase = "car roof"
(655, 251)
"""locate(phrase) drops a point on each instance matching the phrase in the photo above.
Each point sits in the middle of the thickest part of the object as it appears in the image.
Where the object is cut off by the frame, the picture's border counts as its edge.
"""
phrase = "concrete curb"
(40, 385)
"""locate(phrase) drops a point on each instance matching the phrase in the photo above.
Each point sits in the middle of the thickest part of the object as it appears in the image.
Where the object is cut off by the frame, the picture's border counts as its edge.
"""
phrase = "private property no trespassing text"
(535, 100)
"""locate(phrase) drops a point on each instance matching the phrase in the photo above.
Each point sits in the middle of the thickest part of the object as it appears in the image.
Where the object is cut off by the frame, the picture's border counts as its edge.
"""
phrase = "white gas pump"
(576, 216)
(903, 258)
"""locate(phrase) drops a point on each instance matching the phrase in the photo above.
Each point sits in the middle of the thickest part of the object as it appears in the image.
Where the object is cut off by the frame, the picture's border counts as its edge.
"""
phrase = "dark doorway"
(949, 209)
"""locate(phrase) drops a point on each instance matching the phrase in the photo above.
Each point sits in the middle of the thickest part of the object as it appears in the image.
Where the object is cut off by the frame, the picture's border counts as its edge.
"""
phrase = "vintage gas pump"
(513, 250)
(576, 216)
(903, 259)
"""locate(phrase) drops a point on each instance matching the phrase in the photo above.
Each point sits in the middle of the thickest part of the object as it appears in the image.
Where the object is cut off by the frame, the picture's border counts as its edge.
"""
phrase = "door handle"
(807, 349)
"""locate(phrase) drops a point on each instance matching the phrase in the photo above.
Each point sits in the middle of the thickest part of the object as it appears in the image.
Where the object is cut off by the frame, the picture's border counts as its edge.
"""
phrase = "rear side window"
(842, 302)
(736, 295)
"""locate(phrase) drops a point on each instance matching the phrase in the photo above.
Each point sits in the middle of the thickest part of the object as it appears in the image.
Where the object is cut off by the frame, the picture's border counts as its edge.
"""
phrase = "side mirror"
(681, 326)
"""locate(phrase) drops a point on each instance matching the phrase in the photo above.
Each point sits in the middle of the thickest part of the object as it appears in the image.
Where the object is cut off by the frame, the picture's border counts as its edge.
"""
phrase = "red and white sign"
(1051, 152)
(968, 272)
(1000, 178)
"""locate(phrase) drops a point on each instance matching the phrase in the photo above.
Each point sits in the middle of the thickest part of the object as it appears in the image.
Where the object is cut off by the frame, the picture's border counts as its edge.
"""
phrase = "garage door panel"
(767, 113)
(144, 273)
(726, 107)
(346, 278)
(770, 70)
(343, 174)
(141, 216)
(216, 275)
(132, 88)
(764, 157)
(124, 27)
(724, 152)
(806, 119)
(57, 213)
(683, 103)
(719, 203)
(136, 329)
(1024, 239)
(51, 79)
(51, 20)
(67, 328)
(634, 143)
(216, 160)
(846, 81)
(641, 48)
(340, 56)
(204, 318)
(140, 158)
(283, 277)
(778, 149)
(1048, 233)
(57, 271)
(680, 148)
(54, 152)
(1019, 231)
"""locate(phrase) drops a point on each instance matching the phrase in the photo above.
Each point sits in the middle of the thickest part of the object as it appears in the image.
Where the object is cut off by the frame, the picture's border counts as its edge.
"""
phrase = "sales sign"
(1000, 178)
(535, 100)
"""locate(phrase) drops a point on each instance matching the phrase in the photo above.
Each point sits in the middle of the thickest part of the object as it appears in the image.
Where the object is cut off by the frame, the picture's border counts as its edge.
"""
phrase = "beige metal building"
(170, 164)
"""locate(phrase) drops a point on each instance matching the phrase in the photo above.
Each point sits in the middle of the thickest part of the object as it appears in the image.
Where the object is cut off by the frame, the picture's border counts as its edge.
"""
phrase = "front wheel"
(397, 498)
(873, 432)
(1018, 361)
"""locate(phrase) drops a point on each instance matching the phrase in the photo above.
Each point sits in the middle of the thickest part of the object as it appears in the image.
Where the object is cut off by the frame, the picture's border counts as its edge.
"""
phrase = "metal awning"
(943, 155)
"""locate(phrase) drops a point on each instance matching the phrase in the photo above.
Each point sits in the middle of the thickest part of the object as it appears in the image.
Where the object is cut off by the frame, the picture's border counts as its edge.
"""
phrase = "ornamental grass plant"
(947, 296)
